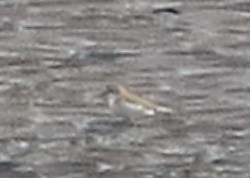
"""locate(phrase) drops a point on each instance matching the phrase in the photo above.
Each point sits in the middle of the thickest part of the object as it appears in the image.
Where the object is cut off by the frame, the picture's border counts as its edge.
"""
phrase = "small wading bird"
(128, 105)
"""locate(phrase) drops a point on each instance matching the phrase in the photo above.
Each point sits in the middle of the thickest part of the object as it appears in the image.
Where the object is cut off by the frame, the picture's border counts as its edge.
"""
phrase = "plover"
(128, 105)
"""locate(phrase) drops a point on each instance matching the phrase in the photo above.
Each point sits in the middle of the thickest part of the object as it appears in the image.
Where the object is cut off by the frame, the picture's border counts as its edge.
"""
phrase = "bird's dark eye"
(111, 88)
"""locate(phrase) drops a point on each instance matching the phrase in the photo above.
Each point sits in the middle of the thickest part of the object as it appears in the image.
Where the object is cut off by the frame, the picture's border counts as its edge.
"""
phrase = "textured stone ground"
(57, 56)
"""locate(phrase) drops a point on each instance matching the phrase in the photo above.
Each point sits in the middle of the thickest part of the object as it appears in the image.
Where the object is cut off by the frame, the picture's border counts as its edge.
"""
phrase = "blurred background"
(57, 56)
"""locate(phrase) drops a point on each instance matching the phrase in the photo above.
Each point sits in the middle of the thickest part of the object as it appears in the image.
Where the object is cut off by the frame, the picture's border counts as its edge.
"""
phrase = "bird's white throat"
(112, 99)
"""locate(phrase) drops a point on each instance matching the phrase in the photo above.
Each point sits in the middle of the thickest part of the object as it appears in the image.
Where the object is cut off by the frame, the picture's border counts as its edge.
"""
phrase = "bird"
(131, 106)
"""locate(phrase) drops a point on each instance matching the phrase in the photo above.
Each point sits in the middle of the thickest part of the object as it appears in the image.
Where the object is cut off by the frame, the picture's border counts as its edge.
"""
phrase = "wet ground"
(57, 56)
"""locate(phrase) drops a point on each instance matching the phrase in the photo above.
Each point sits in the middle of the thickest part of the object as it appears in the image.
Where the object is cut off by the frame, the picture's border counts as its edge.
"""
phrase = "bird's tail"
(164, 110)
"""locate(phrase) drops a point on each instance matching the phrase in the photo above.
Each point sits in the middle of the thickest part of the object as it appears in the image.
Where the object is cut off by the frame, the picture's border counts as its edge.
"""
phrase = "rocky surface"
(57, 56)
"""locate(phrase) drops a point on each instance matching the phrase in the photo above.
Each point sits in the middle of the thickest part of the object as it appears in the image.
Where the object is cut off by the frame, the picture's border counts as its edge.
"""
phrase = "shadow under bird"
(131, 106)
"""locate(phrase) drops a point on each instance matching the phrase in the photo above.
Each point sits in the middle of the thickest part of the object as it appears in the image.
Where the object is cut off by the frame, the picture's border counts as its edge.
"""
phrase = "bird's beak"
(103, 94)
